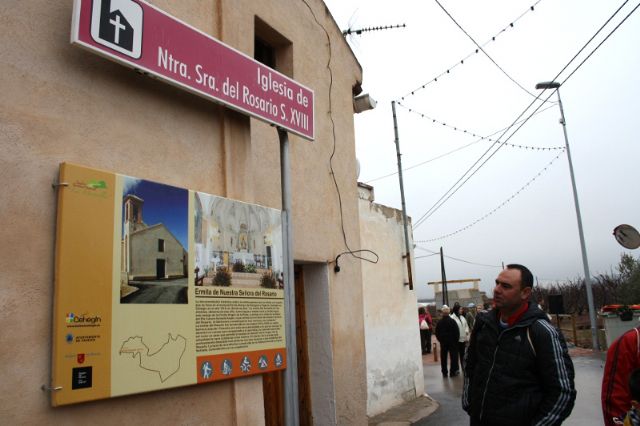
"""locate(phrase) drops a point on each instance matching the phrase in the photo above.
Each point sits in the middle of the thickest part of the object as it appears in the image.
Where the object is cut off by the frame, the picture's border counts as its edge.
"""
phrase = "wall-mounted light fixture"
(362, 103)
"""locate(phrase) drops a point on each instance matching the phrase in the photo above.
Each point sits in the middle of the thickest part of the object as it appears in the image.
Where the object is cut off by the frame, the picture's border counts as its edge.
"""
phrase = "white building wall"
(321, 360)
(392, 336)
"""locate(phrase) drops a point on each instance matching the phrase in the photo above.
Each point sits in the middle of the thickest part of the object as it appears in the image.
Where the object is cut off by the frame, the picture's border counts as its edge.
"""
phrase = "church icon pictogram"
(117, 24)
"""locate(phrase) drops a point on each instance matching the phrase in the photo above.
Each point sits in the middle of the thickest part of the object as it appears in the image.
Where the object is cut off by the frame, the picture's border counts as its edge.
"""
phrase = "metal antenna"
(364, 30)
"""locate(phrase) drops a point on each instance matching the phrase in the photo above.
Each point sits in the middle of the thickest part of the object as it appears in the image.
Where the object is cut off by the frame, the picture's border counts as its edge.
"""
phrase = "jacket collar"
(532, 314)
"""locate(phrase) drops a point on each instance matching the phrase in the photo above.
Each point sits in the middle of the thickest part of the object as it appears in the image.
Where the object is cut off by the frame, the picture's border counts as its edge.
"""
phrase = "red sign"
(138, 35)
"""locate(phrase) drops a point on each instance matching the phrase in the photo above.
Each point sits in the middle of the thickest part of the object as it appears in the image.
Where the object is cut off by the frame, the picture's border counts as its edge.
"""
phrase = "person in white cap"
(470, 315)
(447, 333)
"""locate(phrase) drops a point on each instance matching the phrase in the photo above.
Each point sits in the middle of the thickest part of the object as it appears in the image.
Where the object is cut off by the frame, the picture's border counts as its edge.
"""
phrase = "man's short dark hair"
(525, 273)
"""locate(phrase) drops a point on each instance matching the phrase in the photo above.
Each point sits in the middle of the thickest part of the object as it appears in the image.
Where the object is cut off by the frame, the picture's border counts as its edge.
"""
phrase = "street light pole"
(585, 262)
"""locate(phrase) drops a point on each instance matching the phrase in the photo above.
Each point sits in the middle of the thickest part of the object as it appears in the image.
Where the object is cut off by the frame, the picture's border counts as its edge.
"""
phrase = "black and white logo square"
(117, 24)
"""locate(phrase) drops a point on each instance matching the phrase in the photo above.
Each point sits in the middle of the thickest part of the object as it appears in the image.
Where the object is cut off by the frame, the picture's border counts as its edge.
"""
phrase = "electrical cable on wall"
(461, 61)
(333, 152)
(336, 267)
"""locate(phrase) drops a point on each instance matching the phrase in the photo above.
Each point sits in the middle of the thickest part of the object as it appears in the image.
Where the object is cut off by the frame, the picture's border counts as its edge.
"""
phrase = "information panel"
(141, 36)
(158, 287)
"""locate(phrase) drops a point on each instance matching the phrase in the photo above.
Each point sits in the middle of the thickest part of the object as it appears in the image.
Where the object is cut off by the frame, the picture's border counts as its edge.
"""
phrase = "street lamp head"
(548, 85)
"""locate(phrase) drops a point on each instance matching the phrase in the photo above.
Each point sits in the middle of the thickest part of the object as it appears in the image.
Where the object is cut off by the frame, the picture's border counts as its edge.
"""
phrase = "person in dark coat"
(518, 369)
(447, 333)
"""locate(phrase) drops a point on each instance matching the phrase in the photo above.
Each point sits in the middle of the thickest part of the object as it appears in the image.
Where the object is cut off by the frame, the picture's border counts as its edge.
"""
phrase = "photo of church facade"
(153, 252)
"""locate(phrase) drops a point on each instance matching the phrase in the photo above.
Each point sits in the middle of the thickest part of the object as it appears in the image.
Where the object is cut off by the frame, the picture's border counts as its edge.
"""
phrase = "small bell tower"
(132, 222)
(133, 213)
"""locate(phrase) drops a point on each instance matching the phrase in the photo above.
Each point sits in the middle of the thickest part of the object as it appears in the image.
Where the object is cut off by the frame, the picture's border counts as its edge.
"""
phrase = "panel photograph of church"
(154, 245)
(237, 244)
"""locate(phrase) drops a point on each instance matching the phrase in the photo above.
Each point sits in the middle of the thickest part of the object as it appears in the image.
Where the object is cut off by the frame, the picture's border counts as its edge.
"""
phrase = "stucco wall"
(60, 103)
(392, 336)
(323, 403)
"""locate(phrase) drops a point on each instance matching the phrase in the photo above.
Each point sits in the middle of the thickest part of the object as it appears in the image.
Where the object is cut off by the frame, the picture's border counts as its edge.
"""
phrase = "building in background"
(392, 335)
(464, 296)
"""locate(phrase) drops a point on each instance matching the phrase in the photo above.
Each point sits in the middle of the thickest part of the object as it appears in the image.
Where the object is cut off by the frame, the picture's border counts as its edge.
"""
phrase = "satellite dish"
(627, 236)
(357, 169)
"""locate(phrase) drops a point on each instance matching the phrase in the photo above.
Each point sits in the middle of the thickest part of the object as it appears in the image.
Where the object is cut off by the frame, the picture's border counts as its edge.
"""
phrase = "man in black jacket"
(447, 334)
(518, 369)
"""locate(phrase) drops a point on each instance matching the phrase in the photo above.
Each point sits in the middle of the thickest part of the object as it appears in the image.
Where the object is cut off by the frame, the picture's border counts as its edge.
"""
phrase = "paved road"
(447, 391)
(161, 291)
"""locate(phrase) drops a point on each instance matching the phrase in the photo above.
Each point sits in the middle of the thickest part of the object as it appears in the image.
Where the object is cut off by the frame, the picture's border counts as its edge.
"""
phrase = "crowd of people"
(516, 365)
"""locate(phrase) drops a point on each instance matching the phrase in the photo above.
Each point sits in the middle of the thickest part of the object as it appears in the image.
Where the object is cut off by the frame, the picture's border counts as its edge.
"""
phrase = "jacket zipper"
(493, 363)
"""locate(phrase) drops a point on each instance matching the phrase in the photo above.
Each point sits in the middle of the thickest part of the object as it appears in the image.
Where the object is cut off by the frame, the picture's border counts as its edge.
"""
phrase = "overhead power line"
(514, 195)
(458, 259)
(487, 138)
(427, 255)
(450, 192)
(477, 50)
(605, 39)
(481, 138)
(425, 162)
(484, 51)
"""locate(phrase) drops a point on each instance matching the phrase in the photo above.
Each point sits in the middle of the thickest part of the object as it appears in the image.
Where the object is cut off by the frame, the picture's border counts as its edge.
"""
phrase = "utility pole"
(407, 255)
(445, 291)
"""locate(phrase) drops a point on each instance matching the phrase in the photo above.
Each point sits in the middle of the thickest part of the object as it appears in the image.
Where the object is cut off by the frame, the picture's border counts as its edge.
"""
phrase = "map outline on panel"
(135, 346)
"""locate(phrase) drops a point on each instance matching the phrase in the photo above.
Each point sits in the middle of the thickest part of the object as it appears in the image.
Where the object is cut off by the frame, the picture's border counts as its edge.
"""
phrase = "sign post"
(291, 373)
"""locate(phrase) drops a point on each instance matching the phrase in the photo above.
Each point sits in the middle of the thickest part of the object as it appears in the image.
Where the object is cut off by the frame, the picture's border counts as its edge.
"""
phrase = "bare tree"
(622, 288)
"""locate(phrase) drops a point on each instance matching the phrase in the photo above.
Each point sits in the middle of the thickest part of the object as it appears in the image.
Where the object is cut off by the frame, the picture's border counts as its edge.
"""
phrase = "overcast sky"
(601, 100)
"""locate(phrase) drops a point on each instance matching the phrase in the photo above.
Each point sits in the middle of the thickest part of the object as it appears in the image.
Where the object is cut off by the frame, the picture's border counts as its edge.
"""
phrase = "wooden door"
(273, 391)
(273, 383)
(304, 388)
